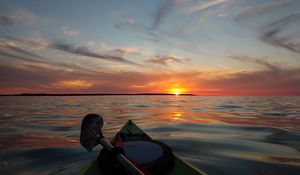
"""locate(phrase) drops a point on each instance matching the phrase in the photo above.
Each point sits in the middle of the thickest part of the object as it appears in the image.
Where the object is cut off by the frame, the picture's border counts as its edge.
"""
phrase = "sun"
(176, 90)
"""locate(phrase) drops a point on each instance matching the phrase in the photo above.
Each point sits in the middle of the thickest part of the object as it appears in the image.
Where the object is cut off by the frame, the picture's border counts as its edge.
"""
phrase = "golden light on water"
(177, 116)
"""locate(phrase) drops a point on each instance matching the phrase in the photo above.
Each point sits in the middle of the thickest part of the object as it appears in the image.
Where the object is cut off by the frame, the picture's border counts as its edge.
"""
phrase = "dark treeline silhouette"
(46, 94)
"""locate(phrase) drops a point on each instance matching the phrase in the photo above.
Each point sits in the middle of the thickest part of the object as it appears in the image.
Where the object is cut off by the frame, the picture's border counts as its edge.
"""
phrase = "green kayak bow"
(131, 151)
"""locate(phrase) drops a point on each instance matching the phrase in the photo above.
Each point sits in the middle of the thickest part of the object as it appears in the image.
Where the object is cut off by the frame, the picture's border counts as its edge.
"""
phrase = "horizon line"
(165, 94)
(90, 94)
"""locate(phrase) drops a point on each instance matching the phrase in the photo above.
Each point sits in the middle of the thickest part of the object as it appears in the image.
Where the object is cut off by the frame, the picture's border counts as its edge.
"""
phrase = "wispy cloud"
(114, 55)
(265, 82)
(165, 60)
(260, 61)
(205, 5)
(269, 6)
(274, 33)
(125, 51)
(10, 51)
(162, 13)
(84, 51)
(70, 32)
(32, 42)
(121, 51)
(173, 37)
(15, 49)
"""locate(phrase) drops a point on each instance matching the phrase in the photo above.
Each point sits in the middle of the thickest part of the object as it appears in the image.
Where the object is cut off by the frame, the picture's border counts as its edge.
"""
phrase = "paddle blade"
(90, 131)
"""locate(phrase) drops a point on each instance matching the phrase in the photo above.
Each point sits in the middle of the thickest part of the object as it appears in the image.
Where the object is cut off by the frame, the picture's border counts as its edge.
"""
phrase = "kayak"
(132, 132)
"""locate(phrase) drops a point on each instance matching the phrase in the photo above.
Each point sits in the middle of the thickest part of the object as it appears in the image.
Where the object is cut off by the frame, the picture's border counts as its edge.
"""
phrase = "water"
(219, 135)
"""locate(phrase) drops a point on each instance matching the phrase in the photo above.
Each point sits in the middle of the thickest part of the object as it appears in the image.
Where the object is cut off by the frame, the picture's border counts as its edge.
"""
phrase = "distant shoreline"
(45, 94)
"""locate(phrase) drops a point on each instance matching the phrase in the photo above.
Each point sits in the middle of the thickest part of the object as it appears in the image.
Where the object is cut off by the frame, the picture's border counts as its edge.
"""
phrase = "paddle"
(91, 135)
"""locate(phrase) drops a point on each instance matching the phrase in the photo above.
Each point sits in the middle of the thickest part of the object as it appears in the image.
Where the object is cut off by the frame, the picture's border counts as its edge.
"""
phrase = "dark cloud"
(84, 51)
(270, 6)
(273, 33)
(164, 60)
(8, 20)
(20, 57)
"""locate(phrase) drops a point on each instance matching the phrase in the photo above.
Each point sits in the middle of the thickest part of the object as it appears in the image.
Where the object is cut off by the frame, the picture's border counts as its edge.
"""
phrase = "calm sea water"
(219, 135)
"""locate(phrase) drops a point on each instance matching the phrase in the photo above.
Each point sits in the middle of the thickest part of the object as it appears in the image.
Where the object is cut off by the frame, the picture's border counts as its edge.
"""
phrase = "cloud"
(259, 61)
(173, 37)
(275, 33)
(69, 32)
(8, 20)
(17, 50)
(84, 51)
(36, 42)
(181, 1)
(4, 54)
(273, 80)
(12, 76)
(24, 79)
(68, 48)
(256, 10)
(205, 5)
(164, 60)
(125, 51)
(14, 13)
(73, 84)
(16, 79)
(284, 82)
(130, 50)
(11, 51)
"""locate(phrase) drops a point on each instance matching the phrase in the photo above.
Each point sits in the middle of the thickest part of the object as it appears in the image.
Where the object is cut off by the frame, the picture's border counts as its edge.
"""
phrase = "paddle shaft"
(130, 167)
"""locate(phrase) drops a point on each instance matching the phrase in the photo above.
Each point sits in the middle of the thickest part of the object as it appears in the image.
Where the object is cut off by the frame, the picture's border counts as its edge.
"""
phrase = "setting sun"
(176, 90)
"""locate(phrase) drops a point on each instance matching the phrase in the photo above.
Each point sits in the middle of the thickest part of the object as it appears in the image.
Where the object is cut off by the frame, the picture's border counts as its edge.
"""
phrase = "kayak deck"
(180, 166)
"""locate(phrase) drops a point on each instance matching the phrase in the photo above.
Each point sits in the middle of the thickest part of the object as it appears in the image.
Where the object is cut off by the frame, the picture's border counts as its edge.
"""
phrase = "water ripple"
(220, 135)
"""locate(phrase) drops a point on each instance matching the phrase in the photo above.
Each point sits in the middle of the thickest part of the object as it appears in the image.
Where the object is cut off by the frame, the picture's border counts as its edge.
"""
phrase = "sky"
(204, 47)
